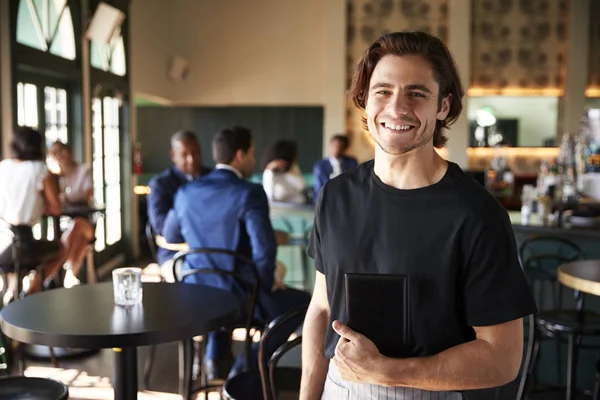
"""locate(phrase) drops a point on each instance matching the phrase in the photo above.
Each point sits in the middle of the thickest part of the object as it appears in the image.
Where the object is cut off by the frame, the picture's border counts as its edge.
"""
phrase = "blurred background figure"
(28, 192)
(335, 164)
(76, 188)
(282, 179)
(186, 155)
(75, 179)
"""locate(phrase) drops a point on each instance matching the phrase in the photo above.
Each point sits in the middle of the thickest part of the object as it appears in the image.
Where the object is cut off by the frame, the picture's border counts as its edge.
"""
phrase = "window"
(109, 57)
(106, 169)
(27, 105)
(46, 25)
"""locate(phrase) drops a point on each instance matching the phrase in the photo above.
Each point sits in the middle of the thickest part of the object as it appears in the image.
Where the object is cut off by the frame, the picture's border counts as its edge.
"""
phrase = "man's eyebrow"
(378, 85)
(418, 86)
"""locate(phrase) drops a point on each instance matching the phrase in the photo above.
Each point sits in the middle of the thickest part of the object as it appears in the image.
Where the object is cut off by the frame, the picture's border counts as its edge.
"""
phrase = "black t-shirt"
(453, 238)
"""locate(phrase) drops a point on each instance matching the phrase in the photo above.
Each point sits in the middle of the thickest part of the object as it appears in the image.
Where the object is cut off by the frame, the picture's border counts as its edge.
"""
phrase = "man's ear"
(239, 155)
(172, 155)
(444, 107)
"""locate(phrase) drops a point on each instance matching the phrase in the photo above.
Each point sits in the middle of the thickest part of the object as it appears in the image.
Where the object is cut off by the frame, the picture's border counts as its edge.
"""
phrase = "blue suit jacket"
(323, 169)
(160, 200)
(223, 211)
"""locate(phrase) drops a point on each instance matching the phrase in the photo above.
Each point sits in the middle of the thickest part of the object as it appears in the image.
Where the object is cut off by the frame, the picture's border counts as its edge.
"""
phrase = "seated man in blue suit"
(333, 165)
(187, 166)
(224, 210)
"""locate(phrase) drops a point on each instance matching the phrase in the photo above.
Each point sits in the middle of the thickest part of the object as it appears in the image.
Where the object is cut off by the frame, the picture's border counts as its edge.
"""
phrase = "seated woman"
(29, 191)
(77, 188)
(282, 179)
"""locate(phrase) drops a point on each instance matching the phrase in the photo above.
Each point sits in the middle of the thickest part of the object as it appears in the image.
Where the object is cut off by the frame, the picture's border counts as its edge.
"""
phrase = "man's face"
(248, 163)
(402, 104)
(337, 148)
(186, 156)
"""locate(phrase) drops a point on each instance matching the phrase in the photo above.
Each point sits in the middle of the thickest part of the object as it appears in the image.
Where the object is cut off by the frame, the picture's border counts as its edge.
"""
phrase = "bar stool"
(596, 395)
(25, 388)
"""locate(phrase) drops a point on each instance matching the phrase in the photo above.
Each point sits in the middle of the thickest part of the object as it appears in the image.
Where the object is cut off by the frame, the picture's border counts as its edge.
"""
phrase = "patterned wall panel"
(594, 53)
(519, 44)
(369, 19)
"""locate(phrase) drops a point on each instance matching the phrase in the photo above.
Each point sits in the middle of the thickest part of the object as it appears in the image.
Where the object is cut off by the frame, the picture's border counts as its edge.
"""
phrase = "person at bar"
(410, 212)
(282, 178)
(234, 216)
(334, 165)
(186, 154)
(76, 188)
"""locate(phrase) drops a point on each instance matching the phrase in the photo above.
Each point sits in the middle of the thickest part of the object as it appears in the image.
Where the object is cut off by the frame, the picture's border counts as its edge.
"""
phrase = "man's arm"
(261, 234)
(314, 362)
(492, 359)
(159, 205)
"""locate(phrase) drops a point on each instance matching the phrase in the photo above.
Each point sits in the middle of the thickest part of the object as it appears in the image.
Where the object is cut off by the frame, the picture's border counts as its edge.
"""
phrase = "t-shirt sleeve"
(495, 287)
(41, 171)
(314, 242)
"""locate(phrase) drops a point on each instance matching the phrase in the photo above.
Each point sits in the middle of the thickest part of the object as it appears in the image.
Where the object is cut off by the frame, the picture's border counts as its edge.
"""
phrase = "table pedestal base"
(125, 380)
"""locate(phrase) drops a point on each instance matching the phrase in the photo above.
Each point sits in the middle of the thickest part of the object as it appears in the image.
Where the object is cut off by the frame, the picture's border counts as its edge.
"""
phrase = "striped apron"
(338, 389)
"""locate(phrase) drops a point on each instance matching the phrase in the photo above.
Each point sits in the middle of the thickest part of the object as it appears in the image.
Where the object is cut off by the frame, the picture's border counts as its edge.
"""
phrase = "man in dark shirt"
(187, 166)
(335, 164)
(410, 212)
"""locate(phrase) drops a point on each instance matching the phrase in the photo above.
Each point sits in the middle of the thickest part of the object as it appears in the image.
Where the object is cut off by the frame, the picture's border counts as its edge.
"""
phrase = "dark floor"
(89, 376)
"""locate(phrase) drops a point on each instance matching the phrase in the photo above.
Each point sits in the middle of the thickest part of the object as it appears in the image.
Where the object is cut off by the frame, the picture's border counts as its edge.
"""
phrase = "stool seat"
(243, 386)
(569, 321)
(24, 388)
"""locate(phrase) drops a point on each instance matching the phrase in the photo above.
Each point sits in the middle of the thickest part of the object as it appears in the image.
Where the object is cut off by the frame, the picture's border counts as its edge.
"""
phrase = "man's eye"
(416, 94)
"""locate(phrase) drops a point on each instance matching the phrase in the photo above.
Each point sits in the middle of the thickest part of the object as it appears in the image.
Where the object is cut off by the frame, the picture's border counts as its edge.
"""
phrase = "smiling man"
(413, 213)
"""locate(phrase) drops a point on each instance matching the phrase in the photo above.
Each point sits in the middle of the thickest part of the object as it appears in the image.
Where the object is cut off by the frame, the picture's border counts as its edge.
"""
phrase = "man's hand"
(278, 277)
(356, 357)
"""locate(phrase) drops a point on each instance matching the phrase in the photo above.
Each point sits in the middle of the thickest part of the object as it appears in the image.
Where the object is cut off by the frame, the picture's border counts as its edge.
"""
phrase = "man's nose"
(397, 106)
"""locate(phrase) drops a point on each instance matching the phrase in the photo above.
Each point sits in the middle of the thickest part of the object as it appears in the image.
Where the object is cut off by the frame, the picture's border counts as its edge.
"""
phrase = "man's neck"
(416, 169)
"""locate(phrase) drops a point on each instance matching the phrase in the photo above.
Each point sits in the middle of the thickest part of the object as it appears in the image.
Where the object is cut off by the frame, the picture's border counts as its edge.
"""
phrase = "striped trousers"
(338, 389)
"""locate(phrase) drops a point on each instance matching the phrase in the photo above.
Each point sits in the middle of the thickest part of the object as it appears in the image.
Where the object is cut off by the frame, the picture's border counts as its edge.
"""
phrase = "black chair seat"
(244, 386)
(538, 274)
(23, 388)
(569, 321)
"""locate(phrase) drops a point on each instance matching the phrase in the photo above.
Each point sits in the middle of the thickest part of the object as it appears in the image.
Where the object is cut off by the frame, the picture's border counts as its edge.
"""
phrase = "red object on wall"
(136, 168)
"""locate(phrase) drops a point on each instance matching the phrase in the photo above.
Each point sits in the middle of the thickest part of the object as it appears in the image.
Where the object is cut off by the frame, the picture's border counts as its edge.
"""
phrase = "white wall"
(151, 49)
(538, 116)
(260, 52)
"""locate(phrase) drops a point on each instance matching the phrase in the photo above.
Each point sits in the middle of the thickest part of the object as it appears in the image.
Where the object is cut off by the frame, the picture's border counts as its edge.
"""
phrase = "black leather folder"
(378, 307)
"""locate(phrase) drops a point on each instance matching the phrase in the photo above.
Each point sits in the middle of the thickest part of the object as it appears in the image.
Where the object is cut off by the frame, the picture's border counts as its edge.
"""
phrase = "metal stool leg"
(91, 274)
(148, 365)
(572, 367)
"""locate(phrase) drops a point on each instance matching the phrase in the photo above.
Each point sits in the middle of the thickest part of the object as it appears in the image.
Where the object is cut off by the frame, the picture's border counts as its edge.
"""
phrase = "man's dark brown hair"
(421, 44)
(228, 141)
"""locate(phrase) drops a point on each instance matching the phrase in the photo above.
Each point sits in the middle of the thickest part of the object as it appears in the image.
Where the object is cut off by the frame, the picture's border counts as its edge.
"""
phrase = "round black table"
(86, 317)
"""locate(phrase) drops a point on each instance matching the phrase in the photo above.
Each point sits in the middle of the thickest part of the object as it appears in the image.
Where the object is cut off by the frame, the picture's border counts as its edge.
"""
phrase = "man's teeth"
(397, 127)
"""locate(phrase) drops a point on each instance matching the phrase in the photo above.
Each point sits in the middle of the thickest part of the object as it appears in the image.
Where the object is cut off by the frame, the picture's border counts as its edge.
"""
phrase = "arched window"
(109, 57)
(46, 25)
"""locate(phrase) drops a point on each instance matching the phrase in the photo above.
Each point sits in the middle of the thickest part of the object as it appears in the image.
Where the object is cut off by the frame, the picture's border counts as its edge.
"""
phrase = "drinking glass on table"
(127, 286)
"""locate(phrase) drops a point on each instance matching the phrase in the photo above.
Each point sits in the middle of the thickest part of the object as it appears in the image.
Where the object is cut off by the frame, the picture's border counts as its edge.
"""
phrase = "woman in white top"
(28, 192)
(282, 178)
(76, 188)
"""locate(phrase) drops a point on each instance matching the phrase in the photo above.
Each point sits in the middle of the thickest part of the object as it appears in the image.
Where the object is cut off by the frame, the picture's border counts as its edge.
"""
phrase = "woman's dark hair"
(227, 142)
(27, 144)
(421, 44)
(281, 150)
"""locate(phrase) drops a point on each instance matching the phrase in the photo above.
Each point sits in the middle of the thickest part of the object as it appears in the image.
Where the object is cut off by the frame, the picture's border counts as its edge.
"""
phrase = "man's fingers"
(345, 332)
